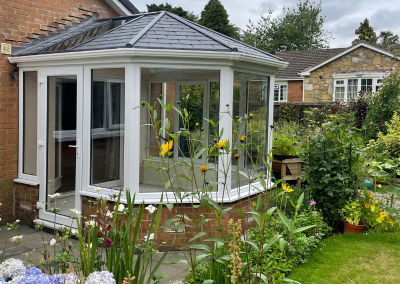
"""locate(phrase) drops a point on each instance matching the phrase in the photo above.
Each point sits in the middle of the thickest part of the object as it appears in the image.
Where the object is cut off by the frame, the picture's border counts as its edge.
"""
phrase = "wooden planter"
(289, 169)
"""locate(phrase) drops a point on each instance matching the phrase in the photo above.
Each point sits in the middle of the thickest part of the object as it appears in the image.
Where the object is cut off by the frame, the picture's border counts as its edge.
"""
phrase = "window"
(280, 93)
(29, 139)
(198, 92)
(247, 102)
(107, 128)
(349, 89)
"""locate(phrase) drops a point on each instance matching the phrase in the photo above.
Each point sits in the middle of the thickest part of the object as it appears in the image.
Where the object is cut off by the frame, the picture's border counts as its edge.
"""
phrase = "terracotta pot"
(355, 229)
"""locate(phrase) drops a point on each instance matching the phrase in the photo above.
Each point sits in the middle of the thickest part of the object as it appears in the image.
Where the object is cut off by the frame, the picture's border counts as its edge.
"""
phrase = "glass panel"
(352, 89)
(61, 142)
(198, 92)
(276, 93)
(339, 94)
(30, 123)
(366, 85)
(339, 82)
(284, 93)
(107, 128)
(253, 131)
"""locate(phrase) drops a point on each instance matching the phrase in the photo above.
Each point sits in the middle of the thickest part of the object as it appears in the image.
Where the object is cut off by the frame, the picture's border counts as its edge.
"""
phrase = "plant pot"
(354, 229)
(284, 157)
(368, 184)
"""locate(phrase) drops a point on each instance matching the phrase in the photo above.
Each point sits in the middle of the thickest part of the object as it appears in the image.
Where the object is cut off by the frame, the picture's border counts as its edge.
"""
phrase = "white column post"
(225, 108)
(132, 128)
(270, 112)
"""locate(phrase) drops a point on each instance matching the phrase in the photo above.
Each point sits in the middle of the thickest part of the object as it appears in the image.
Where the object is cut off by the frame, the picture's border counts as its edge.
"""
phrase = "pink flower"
(109, 227)
(108, 243)
(312, 202)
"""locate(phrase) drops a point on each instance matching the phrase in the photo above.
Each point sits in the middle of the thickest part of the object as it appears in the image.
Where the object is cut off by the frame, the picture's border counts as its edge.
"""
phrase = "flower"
(91, 223)
(54, 195)
(109, 227)
(35, 279)
(53, 242)
(383, 124)
(97, 189)
(108, 243)
(287, 188)
(312, 202)
(104, 277)
(371, 195)
(12, 269)
(203, 169)
(368, 166)
(222, 143)
(366, 206)
(390, 221)
(197, 124)
(151, 236)
(76, 211)
(69, 278)
(366, 158)
(16, 238)
(383, 214)
(109, 214)
(100, 234)
(350, 132)
(237, 156)
(151, 209)
(243, 138)
(74, 231)
(121, 207)
(166, 147)
(294, 144)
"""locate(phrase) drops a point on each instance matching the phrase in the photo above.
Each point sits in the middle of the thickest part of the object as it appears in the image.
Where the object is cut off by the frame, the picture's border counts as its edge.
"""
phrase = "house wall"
(21, 20)
(319, 85)
(295, 91)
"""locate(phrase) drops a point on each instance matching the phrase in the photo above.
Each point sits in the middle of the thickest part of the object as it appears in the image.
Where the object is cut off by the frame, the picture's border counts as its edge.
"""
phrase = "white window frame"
(278, 86)
(345, 85)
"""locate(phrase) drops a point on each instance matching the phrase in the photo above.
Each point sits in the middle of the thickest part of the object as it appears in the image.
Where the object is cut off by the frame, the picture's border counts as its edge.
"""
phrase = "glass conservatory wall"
(198, 92)
(251, 98)
(107, 128)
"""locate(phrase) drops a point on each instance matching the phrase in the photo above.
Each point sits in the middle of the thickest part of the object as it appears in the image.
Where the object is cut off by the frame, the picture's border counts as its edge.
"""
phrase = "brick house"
(335, 74)
(71, 131)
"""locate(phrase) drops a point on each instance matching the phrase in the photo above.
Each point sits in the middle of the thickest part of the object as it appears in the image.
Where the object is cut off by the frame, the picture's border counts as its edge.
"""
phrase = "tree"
(299, 28)
(365, 32)
(388, 38)
(174, 10)
(215, 17)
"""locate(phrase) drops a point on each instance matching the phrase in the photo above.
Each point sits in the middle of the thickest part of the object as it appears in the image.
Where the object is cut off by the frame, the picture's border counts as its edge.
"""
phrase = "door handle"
(75, 146)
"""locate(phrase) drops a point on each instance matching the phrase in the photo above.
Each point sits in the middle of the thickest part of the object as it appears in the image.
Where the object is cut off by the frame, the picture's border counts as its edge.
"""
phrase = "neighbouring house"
(70, 123)
(334, 74)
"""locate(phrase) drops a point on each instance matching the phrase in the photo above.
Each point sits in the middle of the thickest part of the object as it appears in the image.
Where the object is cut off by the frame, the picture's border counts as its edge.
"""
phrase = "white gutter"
(118, 7)
(154, 53)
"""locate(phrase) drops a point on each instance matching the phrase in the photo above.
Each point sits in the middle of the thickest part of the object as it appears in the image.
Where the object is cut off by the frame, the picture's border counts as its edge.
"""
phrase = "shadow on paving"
(32, 241)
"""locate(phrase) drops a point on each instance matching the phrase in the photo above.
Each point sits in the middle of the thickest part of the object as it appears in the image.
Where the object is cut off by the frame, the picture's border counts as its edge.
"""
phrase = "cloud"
(264, 8)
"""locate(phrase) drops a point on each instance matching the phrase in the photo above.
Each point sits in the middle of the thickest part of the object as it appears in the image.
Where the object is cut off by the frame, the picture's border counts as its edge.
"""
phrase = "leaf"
(169, 106)
(185, 177)
(218, 240)
(169, 206)
(204, 258)
(198, 154)
(261, 276)
(300, 201)
(253, 244)
(301, 229)
(222, 257)
(268, 244)
(168, 183)
(161, 103)
(198, 235)
(208, 281)
(281, 244)
(184, 261)
(197, 246)
(223, 212)
(169, 222)
(285, 220)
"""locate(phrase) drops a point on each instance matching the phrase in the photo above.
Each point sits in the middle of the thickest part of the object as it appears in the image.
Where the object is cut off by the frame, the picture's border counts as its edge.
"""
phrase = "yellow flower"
(287, 188)
(387, 216)
(383, 214)
(166, 147)
(237, 156)
(197, 124)
(390, 221)
(203, 169)
(371, 195)
(222, 143)
(366, 206)
(377, 201)
(243, 138)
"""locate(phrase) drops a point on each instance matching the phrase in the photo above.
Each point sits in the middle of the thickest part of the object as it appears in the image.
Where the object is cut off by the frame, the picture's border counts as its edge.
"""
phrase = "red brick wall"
(176, 241)
(295, 91)
(19, 21)
(26, 197)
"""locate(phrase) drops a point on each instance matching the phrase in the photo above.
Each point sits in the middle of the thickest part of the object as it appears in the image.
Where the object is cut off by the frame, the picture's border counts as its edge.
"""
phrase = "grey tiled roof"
(159, 30)
(302, 60)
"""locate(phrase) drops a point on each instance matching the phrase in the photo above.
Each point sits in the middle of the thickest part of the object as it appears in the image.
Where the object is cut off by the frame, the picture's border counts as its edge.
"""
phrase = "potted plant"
(352, 223)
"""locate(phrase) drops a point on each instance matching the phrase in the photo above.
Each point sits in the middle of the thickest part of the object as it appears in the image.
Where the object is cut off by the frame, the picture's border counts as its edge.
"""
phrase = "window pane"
(30, 123)
(339, 94)
(352, 89)
(276, 93)
(366, 85)
(107, 131)
(284, 93)
(255, 130)
(339, 82)
(197, 91)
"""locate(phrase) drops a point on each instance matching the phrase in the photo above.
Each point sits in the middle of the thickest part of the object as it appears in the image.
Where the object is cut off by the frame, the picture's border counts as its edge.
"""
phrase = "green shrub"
(382, 106)
(391, 141)
(285, 138)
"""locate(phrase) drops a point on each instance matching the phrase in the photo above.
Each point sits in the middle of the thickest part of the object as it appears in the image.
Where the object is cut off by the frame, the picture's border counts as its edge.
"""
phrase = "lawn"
(346, 259)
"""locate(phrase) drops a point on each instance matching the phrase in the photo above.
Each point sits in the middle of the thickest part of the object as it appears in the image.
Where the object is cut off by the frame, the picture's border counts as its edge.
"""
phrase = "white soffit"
(118, 7)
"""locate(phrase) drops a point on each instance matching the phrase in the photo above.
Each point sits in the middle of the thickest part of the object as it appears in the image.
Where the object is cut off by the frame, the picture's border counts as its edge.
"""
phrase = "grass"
(372, 258)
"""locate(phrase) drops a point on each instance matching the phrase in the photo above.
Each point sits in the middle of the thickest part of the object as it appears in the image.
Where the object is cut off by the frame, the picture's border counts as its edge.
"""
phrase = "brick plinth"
(295, 91)
(26, 197)
(177, 241)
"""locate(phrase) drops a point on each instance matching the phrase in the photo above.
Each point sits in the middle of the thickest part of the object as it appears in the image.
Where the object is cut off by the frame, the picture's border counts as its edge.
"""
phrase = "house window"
(280, 93)
(107, 128)
(348, 89)
(30, 94)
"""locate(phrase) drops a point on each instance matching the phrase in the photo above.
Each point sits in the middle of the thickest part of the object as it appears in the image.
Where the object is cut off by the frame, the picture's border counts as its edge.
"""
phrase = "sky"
(343, 17)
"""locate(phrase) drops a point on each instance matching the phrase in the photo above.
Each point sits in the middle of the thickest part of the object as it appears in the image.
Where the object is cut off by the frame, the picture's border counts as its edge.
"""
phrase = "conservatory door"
(62, 136)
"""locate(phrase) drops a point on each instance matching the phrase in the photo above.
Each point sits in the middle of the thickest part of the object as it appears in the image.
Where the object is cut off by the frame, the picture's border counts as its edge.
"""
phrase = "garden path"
(32, 241)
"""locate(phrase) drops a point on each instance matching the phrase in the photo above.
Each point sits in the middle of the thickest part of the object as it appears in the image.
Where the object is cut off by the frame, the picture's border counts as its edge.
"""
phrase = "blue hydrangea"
(33, 271)
(69, 278)
(12, 270)
(104, 277)
(36, 279)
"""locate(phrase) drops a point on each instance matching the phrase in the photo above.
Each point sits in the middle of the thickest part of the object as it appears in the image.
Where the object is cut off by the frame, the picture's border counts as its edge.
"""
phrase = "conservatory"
(81, 132)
